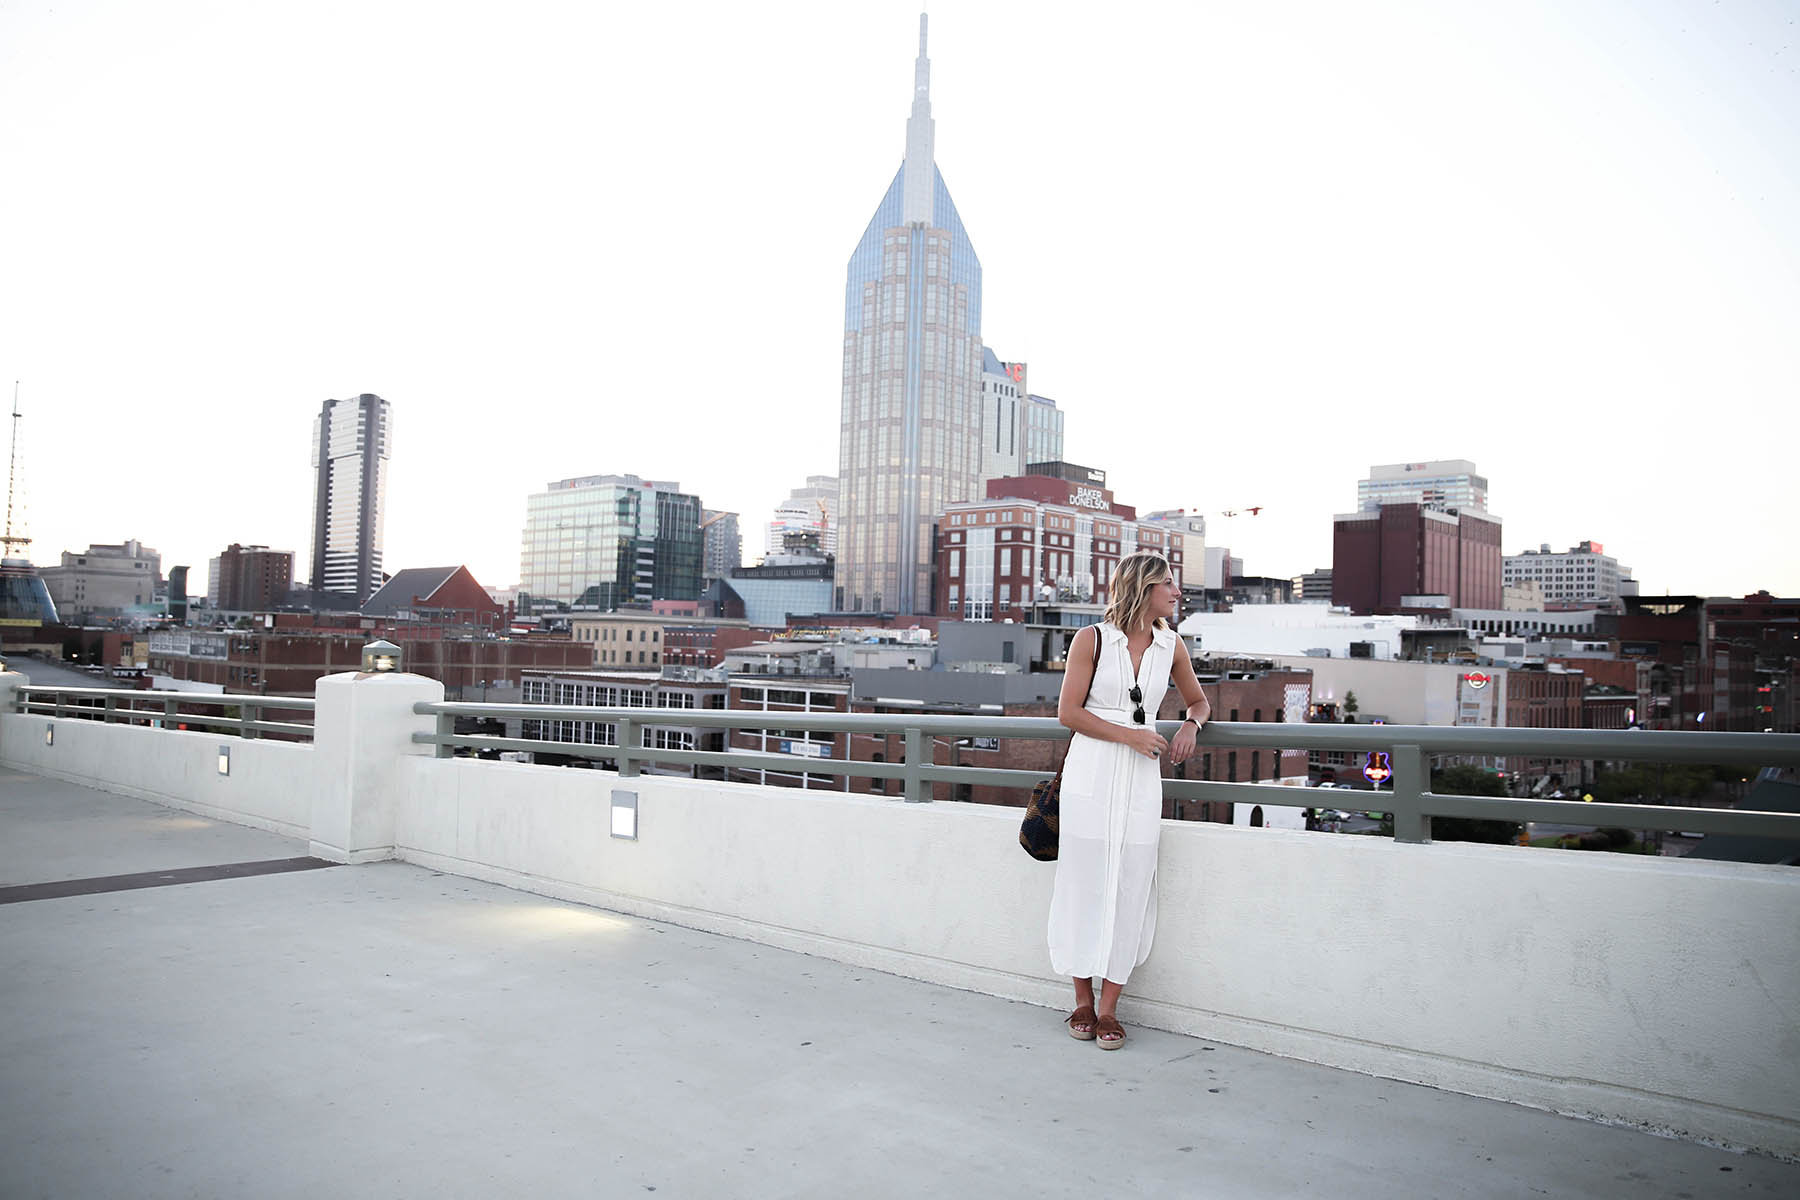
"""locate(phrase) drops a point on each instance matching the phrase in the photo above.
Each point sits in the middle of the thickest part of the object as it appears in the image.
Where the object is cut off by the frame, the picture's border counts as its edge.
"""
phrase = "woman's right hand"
(1146, 741)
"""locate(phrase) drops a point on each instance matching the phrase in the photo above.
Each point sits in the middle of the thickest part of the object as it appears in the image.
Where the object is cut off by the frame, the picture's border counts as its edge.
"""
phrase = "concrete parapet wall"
(271, 784)
(1652, 992)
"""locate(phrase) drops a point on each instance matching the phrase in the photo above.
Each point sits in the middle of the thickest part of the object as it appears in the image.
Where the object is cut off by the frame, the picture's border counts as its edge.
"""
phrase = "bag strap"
(1096, 669)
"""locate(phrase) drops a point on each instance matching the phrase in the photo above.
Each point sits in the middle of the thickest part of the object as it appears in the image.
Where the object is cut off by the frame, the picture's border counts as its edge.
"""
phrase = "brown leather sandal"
(1080, 1017)
(1110, 1033)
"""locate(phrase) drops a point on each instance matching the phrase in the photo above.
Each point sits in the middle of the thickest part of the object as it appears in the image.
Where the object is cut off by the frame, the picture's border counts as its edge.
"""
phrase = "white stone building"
(1582, 574)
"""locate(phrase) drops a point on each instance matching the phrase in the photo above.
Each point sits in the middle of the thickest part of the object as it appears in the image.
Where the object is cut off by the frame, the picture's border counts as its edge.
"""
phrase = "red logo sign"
(1476, 679)
(1378, 769)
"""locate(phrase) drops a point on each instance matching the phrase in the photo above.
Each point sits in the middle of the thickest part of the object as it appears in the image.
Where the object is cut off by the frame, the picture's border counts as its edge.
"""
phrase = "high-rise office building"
(249, 578)
(807, 521)
(910, 428)
(351, 442)
(1449, 485)
(1398, 555)
(1003, 400)
(1040, 431)
(723, 550)
(602, 541)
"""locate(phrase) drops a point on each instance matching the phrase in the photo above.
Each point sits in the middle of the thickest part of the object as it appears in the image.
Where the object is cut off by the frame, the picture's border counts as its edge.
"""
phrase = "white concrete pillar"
(362, 733)
(10, 682)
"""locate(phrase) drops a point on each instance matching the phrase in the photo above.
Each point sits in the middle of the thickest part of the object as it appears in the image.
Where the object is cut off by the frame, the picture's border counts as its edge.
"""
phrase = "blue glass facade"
(866, 261)
(910, 441)
(24, 598)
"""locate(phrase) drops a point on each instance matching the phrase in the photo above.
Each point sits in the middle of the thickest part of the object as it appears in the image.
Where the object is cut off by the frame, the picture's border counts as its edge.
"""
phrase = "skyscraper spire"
(910, 422)
(11, 541)
(921, 133)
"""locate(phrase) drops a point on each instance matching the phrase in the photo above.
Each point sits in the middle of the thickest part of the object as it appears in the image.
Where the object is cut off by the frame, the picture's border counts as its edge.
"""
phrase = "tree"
(1471, 781)
(1351, 704)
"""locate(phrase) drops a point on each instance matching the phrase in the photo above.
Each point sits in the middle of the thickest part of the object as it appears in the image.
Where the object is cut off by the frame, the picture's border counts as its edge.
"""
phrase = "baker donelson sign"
(1087, 497)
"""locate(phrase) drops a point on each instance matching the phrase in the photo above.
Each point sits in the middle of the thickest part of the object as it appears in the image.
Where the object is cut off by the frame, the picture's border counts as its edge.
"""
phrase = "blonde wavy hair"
(1129, 591)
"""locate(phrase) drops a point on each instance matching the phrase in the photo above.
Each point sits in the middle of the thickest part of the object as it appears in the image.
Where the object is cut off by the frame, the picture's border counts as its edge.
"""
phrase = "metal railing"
(130, 706)
(1410, 749)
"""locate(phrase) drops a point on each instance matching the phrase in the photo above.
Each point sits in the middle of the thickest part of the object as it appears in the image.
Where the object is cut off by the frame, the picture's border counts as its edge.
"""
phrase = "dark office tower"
(351, 442)
(1394, 555)
(910, 428)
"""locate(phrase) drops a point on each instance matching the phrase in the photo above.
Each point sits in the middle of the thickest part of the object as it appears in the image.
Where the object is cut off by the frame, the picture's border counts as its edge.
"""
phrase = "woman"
(1103, 908)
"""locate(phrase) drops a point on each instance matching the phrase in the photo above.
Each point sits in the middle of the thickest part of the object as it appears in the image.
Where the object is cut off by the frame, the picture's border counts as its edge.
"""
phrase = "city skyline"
(1560, 244)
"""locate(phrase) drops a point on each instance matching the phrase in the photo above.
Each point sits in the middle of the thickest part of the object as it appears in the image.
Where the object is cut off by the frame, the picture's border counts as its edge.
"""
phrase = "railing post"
(446, 727)
(917, 790)
(628, 767)
(1412, 779)
(111, 714)
(248, 712)
(169, 713)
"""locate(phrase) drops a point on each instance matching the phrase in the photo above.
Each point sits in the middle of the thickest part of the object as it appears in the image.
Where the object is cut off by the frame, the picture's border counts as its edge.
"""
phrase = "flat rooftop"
(180, 1026)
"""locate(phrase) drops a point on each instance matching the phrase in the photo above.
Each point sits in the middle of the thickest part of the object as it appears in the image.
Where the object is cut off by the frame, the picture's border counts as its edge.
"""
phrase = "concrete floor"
(386, 1030)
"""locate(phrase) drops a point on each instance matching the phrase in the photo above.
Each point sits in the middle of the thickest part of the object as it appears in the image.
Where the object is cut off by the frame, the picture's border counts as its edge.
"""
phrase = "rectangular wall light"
(49, 734)
(624, 815)
(224, 760)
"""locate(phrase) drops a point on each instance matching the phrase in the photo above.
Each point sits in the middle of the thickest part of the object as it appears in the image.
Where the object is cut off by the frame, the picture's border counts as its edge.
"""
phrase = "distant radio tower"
(10, 539)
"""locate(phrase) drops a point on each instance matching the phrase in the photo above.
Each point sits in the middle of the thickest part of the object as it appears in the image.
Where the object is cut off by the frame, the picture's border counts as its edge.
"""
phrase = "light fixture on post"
(224, 760)
(381, 656)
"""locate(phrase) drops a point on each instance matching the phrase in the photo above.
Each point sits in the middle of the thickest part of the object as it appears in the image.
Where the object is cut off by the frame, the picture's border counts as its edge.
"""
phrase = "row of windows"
(591, 633)
(756, 697)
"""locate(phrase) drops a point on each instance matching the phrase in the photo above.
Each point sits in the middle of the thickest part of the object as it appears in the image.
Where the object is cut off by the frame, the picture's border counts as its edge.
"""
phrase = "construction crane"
(718, 516)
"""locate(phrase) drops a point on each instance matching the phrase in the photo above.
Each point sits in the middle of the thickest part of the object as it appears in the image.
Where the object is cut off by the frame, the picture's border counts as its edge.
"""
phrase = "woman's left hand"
(1183, 744)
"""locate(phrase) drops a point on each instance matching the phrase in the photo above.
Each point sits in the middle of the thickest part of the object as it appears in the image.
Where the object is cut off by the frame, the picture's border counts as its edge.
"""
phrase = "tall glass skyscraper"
(602, 541)
(351, 441)
(910, 427)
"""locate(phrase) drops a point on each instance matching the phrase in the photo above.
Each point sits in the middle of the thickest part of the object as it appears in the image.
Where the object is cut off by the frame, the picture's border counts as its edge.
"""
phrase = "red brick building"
(440, 597)
(706, 645)
(1039, 539)
(290, 662)
(253, 578)
(1703, 671)
(1540, 699)
(1409, 550)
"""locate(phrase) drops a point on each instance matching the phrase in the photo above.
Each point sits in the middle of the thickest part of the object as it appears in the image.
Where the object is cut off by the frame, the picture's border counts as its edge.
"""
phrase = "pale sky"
(1250, 249)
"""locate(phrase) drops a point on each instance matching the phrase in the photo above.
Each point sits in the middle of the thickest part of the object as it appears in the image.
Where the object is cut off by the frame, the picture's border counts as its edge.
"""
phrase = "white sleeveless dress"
(1103, 906)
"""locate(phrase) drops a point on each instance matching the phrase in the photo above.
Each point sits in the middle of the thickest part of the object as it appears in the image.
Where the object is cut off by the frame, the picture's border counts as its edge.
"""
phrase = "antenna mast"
(9, 541)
